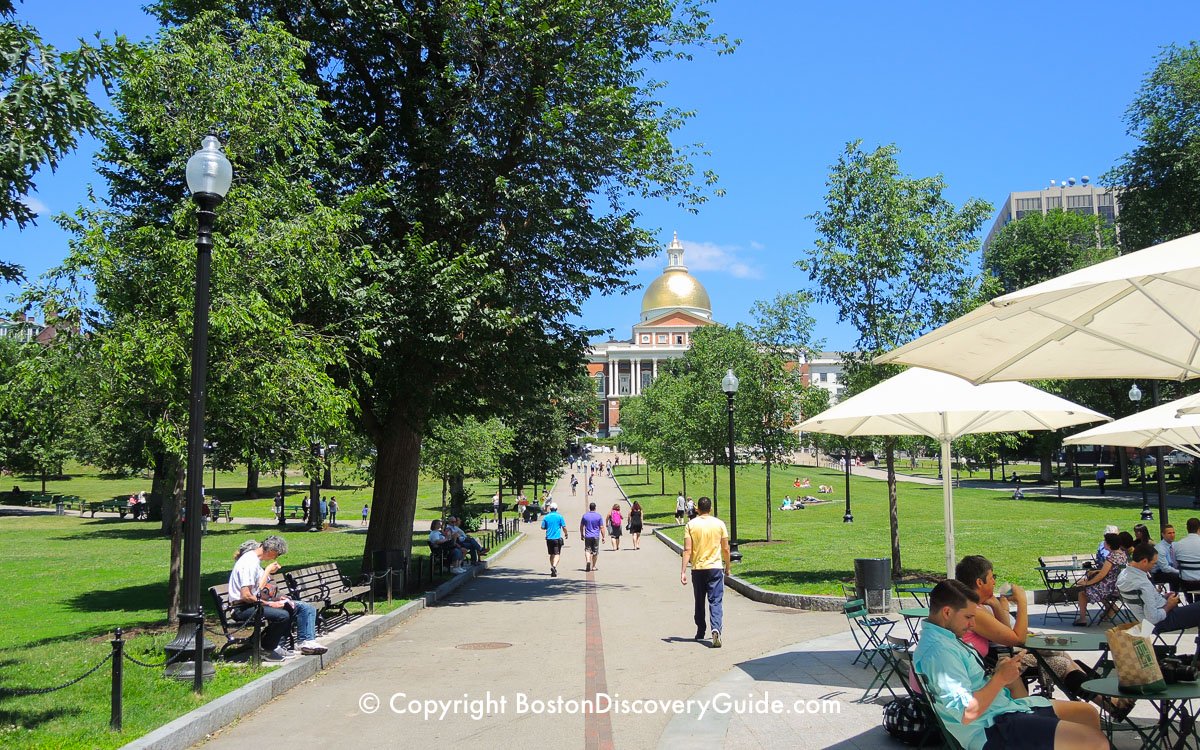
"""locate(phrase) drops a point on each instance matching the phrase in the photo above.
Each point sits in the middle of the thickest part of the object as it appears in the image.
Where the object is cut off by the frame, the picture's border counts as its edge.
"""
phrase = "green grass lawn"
(813, 551)
(90, 484)
(70, 581)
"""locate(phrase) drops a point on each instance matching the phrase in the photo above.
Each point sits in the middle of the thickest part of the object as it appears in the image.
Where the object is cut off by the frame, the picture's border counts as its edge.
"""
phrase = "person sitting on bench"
(249, 585)
(455, 532)
(979, 711)
(444, 545)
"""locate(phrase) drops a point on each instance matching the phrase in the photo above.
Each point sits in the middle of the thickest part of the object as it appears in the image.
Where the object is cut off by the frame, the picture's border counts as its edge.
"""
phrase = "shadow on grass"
(33, 719)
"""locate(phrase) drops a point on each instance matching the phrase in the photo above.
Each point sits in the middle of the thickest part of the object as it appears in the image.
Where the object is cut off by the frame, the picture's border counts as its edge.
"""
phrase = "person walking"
(591, 528)
(614, 526)
(680, 507)
(706, 547)
(365, 512)
(574, 484)
(1100, 477)
(635, 524)
(333, 509)
(556, 533)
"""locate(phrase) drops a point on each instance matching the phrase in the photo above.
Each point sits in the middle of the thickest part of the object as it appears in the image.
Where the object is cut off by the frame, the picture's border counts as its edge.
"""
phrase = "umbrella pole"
(948, 502)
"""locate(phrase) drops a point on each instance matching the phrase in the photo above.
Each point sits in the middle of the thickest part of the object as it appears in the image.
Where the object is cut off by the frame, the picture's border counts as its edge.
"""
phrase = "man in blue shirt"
(591, 528)
(978, 711)
(556, 531)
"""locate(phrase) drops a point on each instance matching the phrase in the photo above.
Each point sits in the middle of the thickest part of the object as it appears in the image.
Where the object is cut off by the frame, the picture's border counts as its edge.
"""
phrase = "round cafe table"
(1176, 726)
(912, 618)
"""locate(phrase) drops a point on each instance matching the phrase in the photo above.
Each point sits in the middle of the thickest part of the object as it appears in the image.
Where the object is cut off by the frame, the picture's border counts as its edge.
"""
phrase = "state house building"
(673, 307)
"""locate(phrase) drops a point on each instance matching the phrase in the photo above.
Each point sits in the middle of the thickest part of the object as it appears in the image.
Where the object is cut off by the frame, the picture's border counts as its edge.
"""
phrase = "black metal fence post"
(118, 677)
(256, 648)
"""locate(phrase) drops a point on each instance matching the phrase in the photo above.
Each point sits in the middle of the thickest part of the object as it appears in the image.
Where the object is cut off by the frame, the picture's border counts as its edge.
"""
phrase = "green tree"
(1037, 247)
(44, 107)
(892, 257)
(276, 244)
(1159, 181)
(513, 143)
(466, 447)
(38, 407)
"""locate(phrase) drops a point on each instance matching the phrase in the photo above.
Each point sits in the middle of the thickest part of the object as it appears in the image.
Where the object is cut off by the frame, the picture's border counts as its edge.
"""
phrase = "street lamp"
(729, 384)
(209, 176)
(849, 517)
(211, 448)
(1135, 395)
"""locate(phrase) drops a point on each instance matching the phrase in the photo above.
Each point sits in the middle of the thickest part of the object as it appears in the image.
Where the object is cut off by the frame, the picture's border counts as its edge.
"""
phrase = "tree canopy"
(1037, 247)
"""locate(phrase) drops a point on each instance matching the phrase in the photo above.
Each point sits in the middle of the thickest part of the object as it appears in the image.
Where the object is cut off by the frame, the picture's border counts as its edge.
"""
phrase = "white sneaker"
(457, 571)
(310, 648)
(283, 652)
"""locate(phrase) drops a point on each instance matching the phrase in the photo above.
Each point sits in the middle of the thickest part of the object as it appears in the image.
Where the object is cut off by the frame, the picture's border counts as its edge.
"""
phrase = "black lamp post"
(211, 449)
(1135, 395)
(729, 384)
(849, 517)
(209, 175)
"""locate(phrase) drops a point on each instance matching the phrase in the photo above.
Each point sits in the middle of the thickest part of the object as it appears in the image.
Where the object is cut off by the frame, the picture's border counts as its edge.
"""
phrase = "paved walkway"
(624, 631)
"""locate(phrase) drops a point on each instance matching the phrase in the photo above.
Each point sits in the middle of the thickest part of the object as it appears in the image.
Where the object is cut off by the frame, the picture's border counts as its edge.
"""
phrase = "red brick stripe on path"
(597, 727)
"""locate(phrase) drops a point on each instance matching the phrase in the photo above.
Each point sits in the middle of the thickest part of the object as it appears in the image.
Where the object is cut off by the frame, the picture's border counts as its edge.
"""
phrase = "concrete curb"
(195, 726)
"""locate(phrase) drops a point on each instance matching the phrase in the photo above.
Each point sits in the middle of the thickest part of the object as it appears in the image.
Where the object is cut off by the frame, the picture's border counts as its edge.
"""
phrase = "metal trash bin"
(60, 508)
(873, 582)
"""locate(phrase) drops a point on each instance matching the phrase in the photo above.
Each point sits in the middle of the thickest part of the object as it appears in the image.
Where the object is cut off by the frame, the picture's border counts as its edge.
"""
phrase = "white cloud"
(35, 205)
(731, 259)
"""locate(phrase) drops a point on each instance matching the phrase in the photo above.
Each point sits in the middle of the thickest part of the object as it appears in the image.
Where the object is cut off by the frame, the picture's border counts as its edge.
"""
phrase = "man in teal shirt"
(978, 710)
(556, 531)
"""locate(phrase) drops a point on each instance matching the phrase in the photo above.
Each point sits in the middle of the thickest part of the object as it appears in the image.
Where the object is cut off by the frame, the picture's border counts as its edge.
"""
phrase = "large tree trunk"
(394, 498)
(683, 473)
(251, 477)
(327, 474)
(1047, 473)
(457, 495)
(1123, 463)
(768, 498)
(893, 505)
(445, 484)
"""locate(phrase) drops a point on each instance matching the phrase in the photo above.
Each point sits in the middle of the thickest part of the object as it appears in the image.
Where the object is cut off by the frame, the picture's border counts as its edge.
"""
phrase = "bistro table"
(1176, 726)
(1095, 642)
(912, 618)
(919, 592)
(1059, 580)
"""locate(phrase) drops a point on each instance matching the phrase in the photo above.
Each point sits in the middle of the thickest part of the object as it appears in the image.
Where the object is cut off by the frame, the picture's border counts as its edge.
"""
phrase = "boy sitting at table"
(978, 710)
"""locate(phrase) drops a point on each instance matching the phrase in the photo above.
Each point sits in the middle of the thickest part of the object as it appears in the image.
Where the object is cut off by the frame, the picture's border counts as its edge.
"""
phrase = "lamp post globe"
(209, 176)
(1135, 395)
(729, 384)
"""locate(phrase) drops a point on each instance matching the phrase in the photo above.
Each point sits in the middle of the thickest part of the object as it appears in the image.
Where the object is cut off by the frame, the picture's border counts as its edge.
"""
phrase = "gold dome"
(676, 287)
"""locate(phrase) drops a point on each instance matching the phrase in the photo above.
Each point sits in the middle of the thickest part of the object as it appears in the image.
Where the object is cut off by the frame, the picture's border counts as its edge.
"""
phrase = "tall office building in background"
(1082, 198)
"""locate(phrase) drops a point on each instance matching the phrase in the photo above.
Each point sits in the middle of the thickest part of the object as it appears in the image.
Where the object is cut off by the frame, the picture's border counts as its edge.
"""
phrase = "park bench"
(294, 511)
(111, 506)
(222, 512)
(235, 633)
(327, 589)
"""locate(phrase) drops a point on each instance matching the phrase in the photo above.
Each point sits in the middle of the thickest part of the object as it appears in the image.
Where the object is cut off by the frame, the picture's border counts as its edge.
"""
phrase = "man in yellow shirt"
(706, 547)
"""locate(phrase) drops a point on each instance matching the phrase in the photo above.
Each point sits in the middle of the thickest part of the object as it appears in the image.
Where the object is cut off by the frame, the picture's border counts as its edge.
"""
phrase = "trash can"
(60, 508)
(873, 582)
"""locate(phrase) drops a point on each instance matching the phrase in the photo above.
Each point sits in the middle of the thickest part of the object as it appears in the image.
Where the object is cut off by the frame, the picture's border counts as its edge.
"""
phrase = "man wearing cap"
(556, 531)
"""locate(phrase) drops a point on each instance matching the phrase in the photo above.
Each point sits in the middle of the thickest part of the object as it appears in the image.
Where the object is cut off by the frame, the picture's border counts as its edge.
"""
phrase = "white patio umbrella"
(944, 407)
(1175, 424)
(1135, 316)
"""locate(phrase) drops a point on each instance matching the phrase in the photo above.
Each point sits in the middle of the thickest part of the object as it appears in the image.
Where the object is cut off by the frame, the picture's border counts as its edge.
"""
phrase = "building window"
(623, 385)
(1107, 213)
(1052, 202)
(823, 377)
(1079, 201)
(600, 385)
(664, 338)
(645, 338)
(1104, 199)
(679, 339)
(1028, 204)
(646, 379)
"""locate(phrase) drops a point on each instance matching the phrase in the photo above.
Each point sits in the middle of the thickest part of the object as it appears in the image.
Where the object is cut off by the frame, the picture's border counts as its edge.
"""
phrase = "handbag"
(1133, 655)
(904, 720)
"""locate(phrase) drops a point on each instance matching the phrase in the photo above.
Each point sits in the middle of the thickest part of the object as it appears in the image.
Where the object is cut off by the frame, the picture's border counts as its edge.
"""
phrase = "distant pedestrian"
(333, 509)
(556, 533)
(706, 547)
(574, 484)
(635, 524)
(365, 512)
(279, 516)
(591, 528)
(690, 509)
(324, 508)
(1100, 478)
(614, 526)
(680, 507)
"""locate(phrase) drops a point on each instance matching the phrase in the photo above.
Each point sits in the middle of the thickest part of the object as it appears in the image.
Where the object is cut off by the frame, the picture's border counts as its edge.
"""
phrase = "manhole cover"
(483, 646)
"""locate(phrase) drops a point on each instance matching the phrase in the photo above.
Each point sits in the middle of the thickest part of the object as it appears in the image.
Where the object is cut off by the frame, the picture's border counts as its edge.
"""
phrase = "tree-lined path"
(625, 630)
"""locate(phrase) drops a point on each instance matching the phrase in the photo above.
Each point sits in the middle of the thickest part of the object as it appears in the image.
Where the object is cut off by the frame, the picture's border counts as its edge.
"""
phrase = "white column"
(654, 369)
(637, 377)
(612, 377)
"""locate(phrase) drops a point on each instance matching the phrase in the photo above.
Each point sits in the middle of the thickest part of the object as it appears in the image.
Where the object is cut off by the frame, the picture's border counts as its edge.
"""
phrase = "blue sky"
(996, 98)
